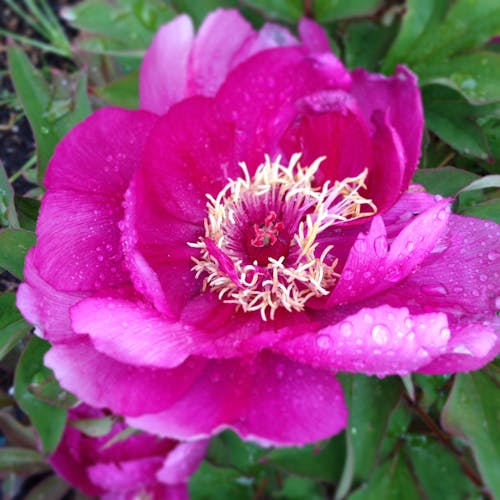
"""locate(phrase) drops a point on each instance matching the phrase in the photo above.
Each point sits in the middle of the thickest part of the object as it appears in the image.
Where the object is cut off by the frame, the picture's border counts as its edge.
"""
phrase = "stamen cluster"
(262, 244)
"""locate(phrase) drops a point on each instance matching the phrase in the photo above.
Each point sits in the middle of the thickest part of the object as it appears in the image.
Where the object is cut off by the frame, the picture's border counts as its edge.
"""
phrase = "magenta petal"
(43, 306)
(78, 245)
(218, 40)
(136, 390)
(250, 399)
(99, 155)
(291, 404)
(381, 341)
(399, 96)
(182, 461)
(163, 75)
(313, 36)
(374, 266)
(131, 331)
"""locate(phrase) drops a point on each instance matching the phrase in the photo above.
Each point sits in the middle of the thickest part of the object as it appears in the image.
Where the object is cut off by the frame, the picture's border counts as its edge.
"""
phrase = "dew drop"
(434, 290)
(346, 328)
(380, 334)
(492, 256)
(445, 334)
(483, 278)
(380, 245)
(323, 341)
(348, 275)
(360, 246)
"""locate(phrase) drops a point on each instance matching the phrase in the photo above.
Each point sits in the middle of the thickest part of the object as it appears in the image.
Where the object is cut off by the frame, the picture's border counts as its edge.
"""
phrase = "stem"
(445, 439)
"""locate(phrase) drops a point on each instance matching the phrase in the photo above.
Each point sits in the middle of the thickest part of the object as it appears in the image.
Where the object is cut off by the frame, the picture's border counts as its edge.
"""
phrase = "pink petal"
(78, 237)
(250, 398)
(312, 36)
(130, 331)
(163, 75)
(90, 375)
(329, 124)
(217, 41)
(263, 107)
(182, 461)
(269, 36)
(100, 154)
(381, 340)
(374, 266)
(123, 476)
(78, 246)
(43, 306)
(399, 96)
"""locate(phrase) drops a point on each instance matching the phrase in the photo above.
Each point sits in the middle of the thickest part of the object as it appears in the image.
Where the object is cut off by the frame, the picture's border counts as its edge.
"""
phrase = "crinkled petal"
(250, 398)
(129, 330)
(399, 95)
(45, 307)
(182, 461)
(381, 340)
(125, 389)
(163, 77)
(219, 38)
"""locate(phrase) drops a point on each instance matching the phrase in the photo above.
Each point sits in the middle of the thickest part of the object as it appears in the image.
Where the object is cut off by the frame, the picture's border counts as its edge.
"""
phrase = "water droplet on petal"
(347, 275)
(380, 245)
(445, 334)
(434, 290)
(360, 246)
(346, 328)
(380, 334)
(323, 341)
(492, 256)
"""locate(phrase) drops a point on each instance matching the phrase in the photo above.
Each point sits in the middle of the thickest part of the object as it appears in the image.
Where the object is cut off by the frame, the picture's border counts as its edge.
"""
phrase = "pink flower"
(120, 468)
(191, 283)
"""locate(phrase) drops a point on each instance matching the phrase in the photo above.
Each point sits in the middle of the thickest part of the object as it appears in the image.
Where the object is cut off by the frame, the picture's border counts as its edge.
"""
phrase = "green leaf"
(446, 181)
(333, 10)
(16, 433)
(489, 210)
(228, 483)
(8, 215)
(297, 488)
(283, 10)
(51, 110)
(455, 120)
(438, 470)
(14, 244)
(322, 463)
(228, 450)
(50, 487)
(473, 412)
(370, 402)
(391, 481)
(434, 30)
(48, 420)
(12, 326)
(486, 182)
(94, 427)
(131, 24)
(27, 211)
(123, 92)
(366, 43)
(21, 460)
(475, 75)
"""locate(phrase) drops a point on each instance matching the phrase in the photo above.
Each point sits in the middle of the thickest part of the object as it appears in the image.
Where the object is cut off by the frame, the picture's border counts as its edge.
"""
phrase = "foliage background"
(417, 437)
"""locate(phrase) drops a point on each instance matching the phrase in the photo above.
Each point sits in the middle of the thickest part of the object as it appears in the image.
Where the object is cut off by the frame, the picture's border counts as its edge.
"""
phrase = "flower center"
(265, 236)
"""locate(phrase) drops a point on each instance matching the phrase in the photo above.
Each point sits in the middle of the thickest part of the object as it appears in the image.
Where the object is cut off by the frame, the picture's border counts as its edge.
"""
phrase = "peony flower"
(214, 267)
(114, 467)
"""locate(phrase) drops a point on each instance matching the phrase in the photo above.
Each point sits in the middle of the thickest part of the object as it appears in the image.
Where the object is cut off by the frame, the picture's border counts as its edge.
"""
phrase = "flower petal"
(399, 95)
(130, 331)
(182, 461)
(219, 38)
(44, 306)
(312, 36)
(250, 398)
(135, 390)
(163, 74)
(381, 340)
